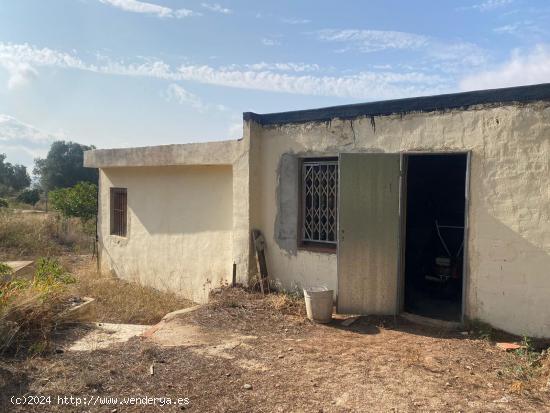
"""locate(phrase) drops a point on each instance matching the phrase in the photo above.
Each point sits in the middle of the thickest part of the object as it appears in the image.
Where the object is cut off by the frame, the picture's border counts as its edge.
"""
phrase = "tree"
(79, 201)
(63, 166)
(12, 177)
(29, 196)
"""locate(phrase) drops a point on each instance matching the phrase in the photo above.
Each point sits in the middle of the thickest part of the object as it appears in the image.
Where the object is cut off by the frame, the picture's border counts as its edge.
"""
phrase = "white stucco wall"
(187, 224)
(509, 239)
(180, 225)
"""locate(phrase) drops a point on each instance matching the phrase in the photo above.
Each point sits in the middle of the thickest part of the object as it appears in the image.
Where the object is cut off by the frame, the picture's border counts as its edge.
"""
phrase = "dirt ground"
(287, 363)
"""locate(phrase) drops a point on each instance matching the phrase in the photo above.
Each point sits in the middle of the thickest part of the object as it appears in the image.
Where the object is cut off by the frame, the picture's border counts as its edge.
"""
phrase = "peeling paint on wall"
(509, 205)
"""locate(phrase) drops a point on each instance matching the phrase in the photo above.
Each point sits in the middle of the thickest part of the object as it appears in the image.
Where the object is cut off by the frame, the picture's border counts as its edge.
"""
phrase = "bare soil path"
(291, 365)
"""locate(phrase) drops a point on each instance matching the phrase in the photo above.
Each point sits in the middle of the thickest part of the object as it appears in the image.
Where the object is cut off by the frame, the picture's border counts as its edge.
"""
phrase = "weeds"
(5, 270)
(528, 367)
(41, 234)
(287, 303)
(295, 291)
(239, 299)
(26, 235)
(50, 272)
(482, 330)
(29, 308)
(119, 301)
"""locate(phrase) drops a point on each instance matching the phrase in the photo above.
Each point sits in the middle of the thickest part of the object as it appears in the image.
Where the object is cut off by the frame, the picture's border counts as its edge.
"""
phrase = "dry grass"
(28, 324)
(530, 370)
(26, 235)
(29, 235)
(239, 298)
(292, 364)
(30, 309)
(118, 301)
(287, 304)
(544, 373)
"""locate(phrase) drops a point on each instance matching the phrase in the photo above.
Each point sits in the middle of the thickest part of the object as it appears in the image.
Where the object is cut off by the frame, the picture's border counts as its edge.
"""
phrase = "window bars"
(119, 207)
(319, 201)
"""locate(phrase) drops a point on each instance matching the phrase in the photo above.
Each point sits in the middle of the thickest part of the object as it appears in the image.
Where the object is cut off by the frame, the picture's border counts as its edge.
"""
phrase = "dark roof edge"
(520, 94)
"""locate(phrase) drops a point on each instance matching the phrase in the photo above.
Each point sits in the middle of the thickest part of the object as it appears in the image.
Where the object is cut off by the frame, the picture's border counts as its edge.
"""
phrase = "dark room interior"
(434, 246)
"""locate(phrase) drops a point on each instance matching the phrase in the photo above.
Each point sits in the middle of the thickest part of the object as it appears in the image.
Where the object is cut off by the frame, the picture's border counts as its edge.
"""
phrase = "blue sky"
(117, 73)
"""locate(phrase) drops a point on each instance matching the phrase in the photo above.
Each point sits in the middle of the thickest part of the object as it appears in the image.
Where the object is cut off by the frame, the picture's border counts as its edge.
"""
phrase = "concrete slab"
(20, 269)
(432, 322)
(205, 153)
(82, 310)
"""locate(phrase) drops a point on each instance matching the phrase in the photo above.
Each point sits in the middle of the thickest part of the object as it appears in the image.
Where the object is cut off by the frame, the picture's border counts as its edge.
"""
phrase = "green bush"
(50, 272)
(29, 196)
(79, 201)
(49, 277)
(30, 310)
(3, 203)
(5, 269)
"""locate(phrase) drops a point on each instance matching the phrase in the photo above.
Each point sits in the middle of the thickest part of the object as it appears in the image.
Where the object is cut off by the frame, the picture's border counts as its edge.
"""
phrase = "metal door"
(368, 237)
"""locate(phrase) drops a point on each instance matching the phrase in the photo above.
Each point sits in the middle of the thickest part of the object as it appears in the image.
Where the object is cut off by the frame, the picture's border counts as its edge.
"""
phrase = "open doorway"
(434, 248)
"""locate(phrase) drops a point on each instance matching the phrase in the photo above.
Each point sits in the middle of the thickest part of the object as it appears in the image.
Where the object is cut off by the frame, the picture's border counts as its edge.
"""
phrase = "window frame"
(122, 230)
(308, 245)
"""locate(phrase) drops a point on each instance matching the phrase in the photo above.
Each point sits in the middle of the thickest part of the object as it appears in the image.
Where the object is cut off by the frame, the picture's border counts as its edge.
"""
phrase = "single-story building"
(437, 206)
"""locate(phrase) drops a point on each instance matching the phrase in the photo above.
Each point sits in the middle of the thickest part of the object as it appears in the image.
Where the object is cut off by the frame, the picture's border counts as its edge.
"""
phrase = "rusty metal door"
(369, 230)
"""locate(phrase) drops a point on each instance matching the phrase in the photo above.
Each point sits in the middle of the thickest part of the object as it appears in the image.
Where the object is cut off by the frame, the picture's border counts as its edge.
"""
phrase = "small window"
(319, 202)
(119, 206)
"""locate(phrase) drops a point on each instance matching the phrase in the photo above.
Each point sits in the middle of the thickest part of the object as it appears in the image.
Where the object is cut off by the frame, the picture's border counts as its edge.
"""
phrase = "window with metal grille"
(119, 207)
(319, 201)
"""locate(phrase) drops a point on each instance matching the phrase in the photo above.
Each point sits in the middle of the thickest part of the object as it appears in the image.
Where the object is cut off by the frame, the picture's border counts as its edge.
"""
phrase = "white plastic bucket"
(318, 304)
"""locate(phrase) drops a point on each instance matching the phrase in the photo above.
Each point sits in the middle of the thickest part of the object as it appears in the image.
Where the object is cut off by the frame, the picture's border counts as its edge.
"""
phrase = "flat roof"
(519, 94)
(203, 153)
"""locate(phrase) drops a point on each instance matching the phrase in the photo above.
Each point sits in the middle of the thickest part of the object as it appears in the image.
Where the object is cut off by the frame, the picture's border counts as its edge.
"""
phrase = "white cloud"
(294, 20)
(521, 69)
(448, 56)
(215, 7)
(181, 13)
(175, 92)
(526, 29)
(20, 74)
(366, 84)
(270, 42)
(25, 53)
(19, 61)
(487, 5)
(22, 142)
(508, 29)
(135, 6)
(455, 57)
(281, 67)
(373, 40)
(183, 97)
(362, 85)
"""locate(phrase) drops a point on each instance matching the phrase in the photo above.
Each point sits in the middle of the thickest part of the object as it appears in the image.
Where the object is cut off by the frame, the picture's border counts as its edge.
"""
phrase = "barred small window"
(319, 201)
(119, 207)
